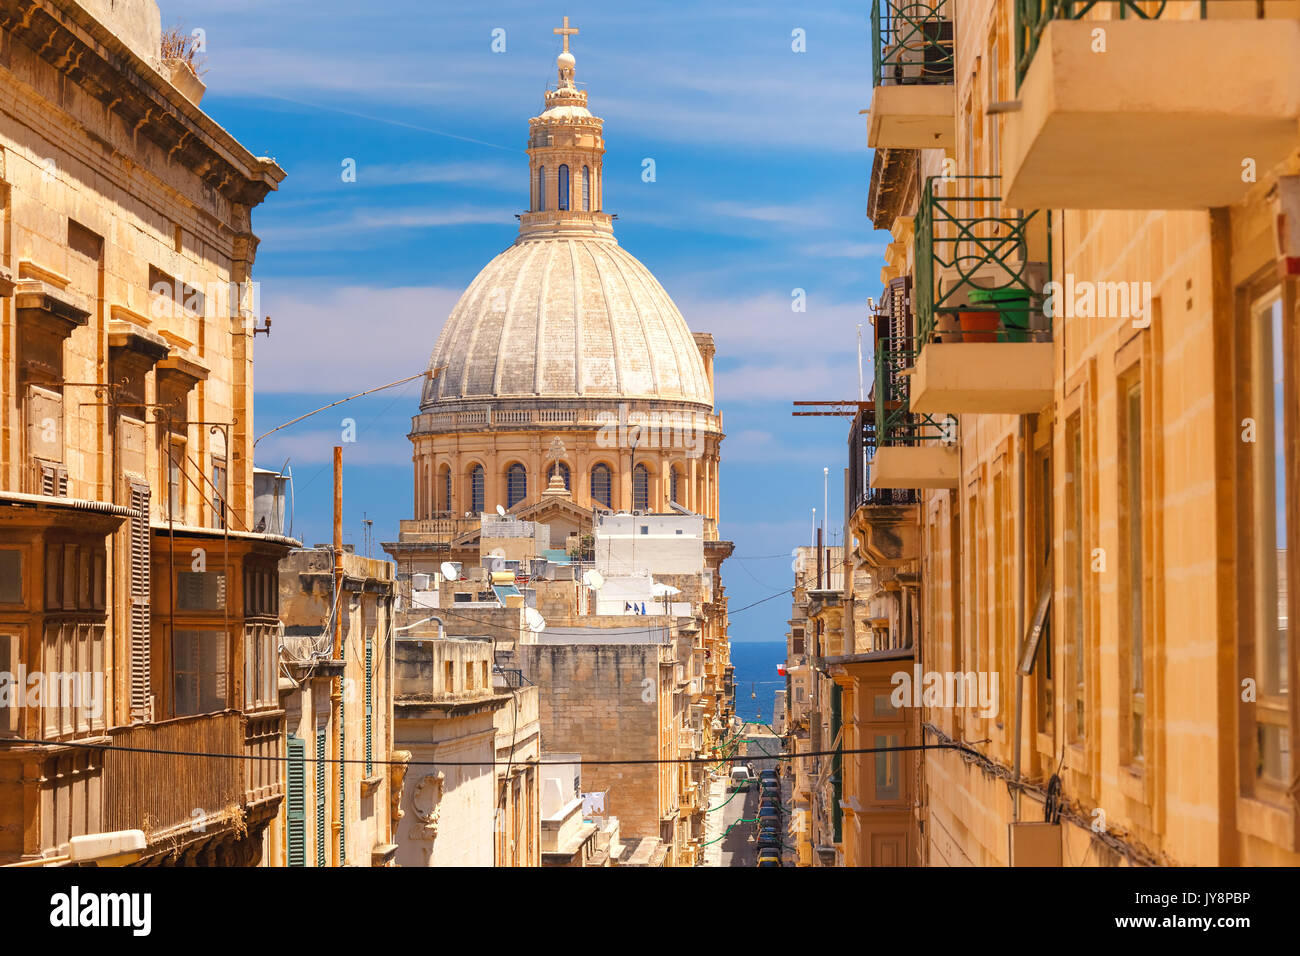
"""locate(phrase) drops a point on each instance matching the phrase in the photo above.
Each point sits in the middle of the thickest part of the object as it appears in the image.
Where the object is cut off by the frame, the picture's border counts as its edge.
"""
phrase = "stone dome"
(566, 317)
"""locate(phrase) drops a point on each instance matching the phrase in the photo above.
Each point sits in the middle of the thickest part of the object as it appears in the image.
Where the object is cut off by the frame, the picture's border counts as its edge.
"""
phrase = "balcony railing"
(862, 450)
(1032, 17)
(975, 277)
(911, 43)
(896, 423)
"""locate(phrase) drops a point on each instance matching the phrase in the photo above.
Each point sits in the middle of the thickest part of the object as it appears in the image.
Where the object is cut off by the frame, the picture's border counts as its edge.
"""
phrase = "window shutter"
(297, 801)
(370, 706)
(321, 787)
(343, 767)
(139, 602)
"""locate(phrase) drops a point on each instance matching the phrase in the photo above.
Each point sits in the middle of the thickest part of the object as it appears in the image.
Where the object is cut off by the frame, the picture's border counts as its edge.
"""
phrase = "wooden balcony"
(190, 809)
(1165, 118)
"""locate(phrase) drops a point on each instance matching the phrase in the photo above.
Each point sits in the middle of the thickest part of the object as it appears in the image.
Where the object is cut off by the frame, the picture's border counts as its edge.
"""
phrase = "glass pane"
(888, 785)
(200, 680)
(200, 590)
(11, 577)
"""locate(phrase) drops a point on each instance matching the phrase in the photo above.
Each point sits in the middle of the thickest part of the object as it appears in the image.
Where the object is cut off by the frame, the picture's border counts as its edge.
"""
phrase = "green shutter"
(297, 801)
(321, 787)
(370, 706)
(343, 767)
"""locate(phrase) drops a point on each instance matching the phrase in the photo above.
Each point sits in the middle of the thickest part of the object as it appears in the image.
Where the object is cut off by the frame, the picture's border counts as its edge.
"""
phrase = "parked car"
(769, 858)
(769, 786)
(770, 775)
(769, 837)
(769, 814)
(770, 800)
(740, 777)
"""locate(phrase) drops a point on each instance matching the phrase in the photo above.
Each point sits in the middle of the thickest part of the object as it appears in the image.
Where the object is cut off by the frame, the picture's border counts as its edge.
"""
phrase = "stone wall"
(604, 701)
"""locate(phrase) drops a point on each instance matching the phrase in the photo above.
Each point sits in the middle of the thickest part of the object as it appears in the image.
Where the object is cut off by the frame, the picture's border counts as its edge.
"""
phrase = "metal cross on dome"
(566, 31)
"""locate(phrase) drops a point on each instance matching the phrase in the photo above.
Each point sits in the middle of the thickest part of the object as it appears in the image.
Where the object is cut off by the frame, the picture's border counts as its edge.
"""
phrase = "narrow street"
(739, 846)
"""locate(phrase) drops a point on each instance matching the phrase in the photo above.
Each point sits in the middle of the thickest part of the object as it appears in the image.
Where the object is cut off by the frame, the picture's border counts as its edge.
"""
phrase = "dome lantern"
(566, 147)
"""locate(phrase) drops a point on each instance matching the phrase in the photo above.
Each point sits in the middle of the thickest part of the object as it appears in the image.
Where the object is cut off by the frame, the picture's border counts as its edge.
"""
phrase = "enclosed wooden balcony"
(1186, 106)
(912, 100)
(190, 808)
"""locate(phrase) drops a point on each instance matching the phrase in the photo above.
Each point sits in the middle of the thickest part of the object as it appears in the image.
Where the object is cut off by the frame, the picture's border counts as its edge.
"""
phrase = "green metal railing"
(1032, 17)
(973, 265)
(911, 42)
(896, 423)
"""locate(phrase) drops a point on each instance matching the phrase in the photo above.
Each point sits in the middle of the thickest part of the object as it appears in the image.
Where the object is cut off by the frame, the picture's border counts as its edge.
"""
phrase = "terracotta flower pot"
(979, 326)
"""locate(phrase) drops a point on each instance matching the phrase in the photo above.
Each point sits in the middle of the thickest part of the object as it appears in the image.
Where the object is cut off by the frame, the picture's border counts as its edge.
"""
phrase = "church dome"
(566, 313)
(567, 317)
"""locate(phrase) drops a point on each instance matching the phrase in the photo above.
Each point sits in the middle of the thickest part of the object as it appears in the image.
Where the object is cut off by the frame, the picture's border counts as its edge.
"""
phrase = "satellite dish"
(536, 623)
(593, 579)
(501, 511)
(497, 553)
(450, 571)
(663, 590)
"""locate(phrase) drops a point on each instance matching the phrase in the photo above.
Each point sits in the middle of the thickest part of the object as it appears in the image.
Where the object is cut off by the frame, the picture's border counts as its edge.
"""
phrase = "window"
(888, 784)
(1133, 685)
(564, 187)
(601, 486)
(641, 488)
(200, 662)
(445, 503)
(1044, 663)
(11, 710)
(175, 481)
(469, 675)
(200, 590)
(1077, 558)
(218, 492)
(1271, 533)
(674, 484)
(476, 489)
(11, 577)
(541, 188)
(586, 188)
(516, 484)
(72, 698)
(484, 668)
(449, 677)
(261, 653)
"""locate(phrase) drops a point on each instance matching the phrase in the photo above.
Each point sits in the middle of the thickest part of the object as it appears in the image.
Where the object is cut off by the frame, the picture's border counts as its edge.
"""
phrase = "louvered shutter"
(138, 595)
(370, 707)
(321, 787)
(343, 817)
(297, 801)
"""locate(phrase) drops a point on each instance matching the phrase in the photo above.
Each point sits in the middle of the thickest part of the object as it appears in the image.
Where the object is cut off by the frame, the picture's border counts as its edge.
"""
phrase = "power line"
(11, 741)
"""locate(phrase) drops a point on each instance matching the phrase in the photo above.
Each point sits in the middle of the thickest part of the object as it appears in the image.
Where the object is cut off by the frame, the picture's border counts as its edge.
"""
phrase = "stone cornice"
(90, 55)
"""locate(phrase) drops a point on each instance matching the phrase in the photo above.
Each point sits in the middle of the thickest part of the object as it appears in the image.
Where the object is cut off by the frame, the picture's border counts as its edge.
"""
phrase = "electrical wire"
(10, 742)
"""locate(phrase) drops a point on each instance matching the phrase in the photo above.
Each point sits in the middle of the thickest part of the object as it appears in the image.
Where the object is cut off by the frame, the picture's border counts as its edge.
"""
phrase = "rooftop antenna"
(861, 397)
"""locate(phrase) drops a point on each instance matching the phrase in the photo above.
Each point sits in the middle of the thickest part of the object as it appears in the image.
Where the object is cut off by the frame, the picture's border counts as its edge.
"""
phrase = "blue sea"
(756, 663)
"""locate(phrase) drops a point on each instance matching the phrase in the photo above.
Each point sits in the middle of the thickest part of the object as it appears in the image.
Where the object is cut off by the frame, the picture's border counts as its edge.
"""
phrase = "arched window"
(586, 189)
(641, 488)
(476, 489)
(444, 489)
(563, 469)
(541, 187)
(564, 187)
(516, 484)
(601, 490)
(674, 485)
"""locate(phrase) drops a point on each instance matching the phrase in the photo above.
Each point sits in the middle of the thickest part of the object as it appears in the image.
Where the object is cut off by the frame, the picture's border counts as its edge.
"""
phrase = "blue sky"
(761, 177)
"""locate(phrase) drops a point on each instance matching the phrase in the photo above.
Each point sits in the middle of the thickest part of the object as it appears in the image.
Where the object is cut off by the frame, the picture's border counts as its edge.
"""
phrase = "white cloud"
(344, 339)
(307, 233)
